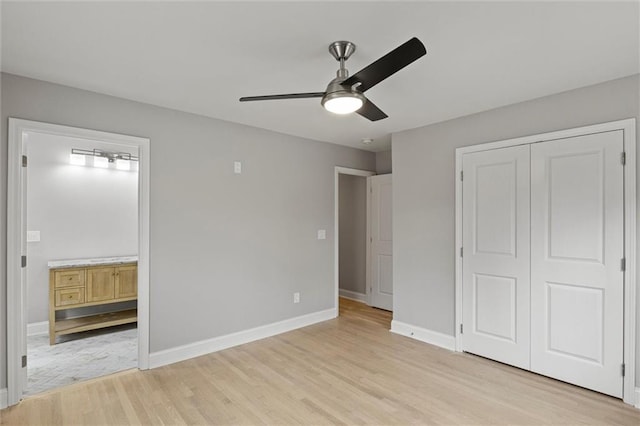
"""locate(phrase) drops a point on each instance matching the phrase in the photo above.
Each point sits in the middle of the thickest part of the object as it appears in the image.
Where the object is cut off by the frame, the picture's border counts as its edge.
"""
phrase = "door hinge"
(623, 264)
(371, 240)
(623, 158)
(24, 161)
(23, 261)
(461, 175)
(623, 368)
(24, 361)
(461, 251)
(461, 329)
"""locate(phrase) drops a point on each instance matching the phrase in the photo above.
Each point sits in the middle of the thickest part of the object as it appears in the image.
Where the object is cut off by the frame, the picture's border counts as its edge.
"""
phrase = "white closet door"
(381, 242)
(576, 250)
(496, 254)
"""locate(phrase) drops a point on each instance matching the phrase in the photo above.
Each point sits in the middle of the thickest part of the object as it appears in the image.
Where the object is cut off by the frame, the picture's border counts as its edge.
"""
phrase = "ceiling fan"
(344, 94)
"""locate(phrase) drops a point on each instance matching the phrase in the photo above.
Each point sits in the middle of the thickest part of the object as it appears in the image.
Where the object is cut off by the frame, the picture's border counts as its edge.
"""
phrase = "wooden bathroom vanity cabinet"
(91, 282)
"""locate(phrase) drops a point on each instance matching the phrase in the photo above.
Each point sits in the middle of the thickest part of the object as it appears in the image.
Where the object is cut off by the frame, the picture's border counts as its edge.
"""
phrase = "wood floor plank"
(350, 370)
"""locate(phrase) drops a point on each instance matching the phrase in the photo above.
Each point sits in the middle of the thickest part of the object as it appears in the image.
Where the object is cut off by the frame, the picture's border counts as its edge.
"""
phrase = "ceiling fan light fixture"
(344, 94)
(343, 102)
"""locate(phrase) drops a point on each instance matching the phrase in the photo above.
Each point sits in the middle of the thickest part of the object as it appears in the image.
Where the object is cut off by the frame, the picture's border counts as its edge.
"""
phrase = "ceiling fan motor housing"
(341, 51)
(335, 85)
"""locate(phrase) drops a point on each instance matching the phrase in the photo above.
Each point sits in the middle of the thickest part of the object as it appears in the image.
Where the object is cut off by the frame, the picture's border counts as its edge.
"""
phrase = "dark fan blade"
(371, 111)
(288, 96)
(388, 65)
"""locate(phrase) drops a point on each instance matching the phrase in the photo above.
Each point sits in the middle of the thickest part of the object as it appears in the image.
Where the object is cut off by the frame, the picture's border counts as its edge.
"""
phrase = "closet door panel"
(576, 249)
(496, 254)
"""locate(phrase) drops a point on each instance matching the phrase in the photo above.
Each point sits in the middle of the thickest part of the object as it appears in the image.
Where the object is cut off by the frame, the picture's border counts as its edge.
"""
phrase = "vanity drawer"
(69, 278)
(69, 296)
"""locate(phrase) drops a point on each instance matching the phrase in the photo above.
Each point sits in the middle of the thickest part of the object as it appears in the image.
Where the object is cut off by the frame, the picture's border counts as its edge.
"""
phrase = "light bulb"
(77, 159)
(343, 101)
(101, 162)
(122, 164)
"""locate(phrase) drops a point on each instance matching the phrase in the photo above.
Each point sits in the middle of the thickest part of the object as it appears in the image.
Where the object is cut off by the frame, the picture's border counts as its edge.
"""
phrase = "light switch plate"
(237, 167)
(33, 236)
(322, 234)
(296, 297)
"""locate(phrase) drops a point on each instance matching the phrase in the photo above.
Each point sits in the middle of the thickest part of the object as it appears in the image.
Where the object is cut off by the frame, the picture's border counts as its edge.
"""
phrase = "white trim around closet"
(628, 126)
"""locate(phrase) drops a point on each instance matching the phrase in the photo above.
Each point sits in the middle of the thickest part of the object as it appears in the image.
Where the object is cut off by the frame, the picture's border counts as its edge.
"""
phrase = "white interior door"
(381, 242)
(496, 254)
(577, 247)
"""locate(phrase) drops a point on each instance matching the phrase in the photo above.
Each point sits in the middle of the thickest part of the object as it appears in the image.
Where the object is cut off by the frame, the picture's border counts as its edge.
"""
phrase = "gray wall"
(352, 242)
(80, 211)
(383, 162)
(424, 188)
(227, 250)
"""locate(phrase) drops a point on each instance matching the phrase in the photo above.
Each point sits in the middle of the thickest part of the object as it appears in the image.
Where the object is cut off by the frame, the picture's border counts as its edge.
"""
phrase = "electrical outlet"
(322, 234)
(237, 167)
(296, 297)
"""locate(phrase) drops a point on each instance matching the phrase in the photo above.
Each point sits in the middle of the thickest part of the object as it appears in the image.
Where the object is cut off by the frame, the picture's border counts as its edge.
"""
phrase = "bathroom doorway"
(106, 293)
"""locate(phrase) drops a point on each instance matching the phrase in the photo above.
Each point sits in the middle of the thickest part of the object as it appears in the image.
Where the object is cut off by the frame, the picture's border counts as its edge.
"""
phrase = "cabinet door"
(100, 284)
(126, 281)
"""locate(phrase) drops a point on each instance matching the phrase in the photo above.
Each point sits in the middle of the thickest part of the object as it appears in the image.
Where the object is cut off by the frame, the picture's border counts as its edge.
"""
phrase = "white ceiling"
(201, 57)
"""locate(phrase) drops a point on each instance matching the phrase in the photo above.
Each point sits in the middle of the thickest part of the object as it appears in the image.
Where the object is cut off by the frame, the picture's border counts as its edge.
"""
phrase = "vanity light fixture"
(102, 158)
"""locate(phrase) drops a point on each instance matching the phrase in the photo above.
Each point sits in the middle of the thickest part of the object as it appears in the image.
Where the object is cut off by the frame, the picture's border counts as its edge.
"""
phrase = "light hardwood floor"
(350, 370)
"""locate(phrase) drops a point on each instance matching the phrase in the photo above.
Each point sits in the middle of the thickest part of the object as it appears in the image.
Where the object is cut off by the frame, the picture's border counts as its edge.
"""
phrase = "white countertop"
(67, 263)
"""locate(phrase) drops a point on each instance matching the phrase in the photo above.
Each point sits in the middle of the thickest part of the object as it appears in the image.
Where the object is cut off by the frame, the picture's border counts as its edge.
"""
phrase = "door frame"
(628, 127)
(336, 230)
(15, 239)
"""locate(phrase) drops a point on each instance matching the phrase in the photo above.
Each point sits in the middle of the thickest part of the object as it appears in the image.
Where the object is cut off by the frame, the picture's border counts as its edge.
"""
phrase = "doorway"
(82, 215)
(350, 190)
(353, 237)
(18, 243)
(363, 238)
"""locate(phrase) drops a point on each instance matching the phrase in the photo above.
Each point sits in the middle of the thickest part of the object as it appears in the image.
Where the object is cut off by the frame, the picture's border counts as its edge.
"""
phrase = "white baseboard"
(424, 335)
(637, 398)
(3, 398)
(353, 295)
(37, 328)
(192, 350)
